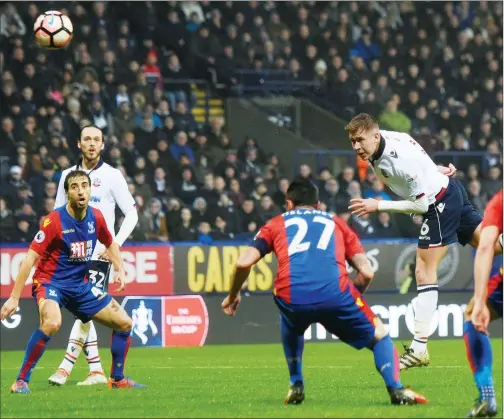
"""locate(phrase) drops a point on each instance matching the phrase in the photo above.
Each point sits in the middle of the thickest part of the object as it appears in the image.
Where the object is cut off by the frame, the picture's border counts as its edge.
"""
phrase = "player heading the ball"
(63, 248)
(449, 217)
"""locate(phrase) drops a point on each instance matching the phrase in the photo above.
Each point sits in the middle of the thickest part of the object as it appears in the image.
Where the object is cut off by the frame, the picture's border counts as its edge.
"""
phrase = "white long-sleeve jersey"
(404, 166)
(108, 189)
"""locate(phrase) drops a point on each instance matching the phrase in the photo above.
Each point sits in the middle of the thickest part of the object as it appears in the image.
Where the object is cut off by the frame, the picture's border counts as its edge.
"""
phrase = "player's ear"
(78, 144)
(317, 206)
(289, 205)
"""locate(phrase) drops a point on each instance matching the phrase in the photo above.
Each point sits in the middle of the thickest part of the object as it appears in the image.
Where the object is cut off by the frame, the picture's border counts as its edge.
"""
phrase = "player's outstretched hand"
(480, 316)
(9, 308)
(229, 305)
(359, 206)
(120, 278)
(103, 255)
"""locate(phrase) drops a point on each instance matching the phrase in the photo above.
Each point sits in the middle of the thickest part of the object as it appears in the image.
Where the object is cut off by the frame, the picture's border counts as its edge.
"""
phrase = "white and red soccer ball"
(53, 30)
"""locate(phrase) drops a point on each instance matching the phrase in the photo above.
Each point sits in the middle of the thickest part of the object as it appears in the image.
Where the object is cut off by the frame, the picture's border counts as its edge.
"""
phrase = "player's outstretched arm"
(242, 270)
(11, 305)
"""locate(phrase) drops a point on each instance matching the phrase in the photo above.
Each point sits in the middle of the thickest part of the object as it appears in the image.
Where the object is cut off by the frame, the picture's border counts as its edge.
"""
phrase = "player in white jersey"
(108, 189)
(449, 217)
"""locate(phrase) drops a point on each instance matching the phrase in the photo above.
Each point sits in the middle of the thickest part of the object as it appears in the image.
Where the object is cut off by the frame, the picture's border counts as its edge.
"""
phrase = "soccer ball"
(53, 30)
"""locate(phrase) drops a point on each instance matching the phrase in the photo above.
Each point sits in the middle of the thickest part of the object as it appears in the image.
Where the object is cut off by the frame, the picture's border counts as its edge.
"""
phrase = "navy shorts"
(98, 274)
(84, 301)
(347, 316)
(452, 218)
(495, 293)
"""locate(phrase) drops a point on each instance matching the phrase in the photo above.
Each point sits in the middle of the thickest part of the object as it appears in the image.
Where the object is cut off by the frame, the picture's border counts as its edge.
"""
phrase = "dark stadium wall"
(244, 118)
(322, 128)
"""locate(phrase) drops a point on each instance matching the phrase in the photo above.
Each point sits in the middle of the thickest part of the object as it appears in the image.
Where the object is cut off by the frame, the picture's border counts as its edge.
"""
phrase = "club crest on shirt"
(91, 227)
(96, 182)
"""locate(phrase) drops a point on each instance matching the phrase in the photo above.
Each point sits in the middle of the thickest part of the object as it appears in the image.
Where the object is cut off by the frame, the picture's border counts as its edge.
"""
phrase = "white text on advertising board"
(448, 321)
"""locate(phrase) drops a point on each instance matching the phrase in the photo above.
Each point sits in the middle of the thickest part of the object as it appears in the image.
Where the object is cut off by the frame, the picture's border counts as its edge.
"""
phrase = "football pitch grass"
(248, 381)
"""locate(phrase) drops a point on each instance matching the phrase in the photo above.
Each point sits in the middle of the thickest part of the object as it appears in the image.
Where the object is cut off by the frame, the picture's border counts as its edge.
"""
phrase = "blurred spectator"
(385, 226)
(157, 222)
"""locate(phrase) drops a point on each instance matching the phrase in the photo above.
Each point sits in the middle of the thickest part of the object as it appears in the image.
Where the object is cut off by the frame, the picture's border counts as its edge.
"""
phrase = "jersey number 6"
(297, 245)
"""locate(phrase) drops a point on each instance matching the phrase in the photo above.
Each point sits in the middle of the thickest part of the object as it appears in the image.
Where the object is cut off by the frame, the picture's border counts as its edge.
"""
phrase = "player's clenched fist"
(230, 305)
(9, 308)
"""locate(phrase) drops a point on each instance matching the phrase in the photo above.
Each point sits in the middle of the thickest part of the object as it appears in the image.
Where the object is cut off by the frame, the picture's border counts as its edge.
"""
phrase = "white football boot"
(59, 378)
(94, 378)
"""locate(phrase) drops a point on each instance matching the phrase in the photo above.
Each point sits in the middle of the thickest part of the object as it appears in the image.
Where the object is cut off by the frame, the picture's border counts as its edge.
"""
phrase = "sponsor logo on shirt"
(95, 199)
(81, 251)
(47, 221)
(441, 207)
(71, 230)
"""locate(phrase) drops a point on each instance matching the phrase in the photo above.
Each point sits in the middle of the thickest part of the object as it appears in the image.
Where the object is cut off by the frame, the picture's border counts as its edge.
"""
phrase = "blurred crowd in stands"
(433, 69)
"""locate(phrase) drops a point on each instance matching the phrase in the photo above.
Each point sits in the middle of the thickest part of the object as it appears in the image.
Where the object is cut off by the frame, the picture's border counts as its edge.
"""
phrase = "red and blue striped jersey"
(65, 246)
(312, 247)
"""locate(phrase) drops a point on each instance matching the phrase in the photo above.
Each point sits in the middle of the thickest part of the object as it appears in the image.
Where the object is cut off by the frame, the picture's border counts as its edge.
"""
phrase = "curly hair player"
(63, 248)
(108, 189)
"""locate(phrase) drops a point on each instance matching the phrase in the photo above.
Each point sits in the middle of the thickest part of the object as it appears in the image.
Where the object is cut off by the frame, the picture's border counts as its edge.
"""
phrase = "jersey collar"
(379, 152)
(100, 164)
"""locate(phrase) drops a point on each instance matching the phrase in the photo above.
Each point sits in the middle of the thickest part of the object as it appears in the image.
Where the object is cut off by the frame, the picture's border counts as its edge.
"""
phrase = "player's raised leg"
(50, 322)
(425, 304)
(78, 337)
(114, 316)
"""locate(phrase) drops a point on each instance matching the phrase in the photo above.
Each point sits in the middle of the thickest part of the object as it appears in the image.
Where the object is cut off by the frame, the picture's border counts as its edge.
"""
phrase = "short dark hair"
(72, 175)
(302, 191)
(90, 126)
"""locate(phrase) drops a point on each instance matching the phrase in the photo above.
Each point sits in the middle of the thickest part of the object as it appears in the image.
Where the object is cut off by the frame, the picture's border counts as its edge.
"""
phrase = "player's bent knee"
(50, 326)
(124, 324)
(380, 331)
(50, 317)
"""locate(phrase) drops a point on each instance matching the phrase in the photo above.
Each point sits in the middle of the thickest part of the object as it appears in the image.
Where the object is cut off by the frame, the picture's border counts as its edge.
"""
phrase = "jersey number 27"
(298, 244)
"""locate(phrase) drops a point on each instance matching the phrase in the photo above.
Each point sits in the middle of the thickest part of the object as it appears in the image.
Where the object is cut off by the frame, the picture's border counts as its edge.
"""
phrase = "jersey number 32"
(298, 243)
(98, 282)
